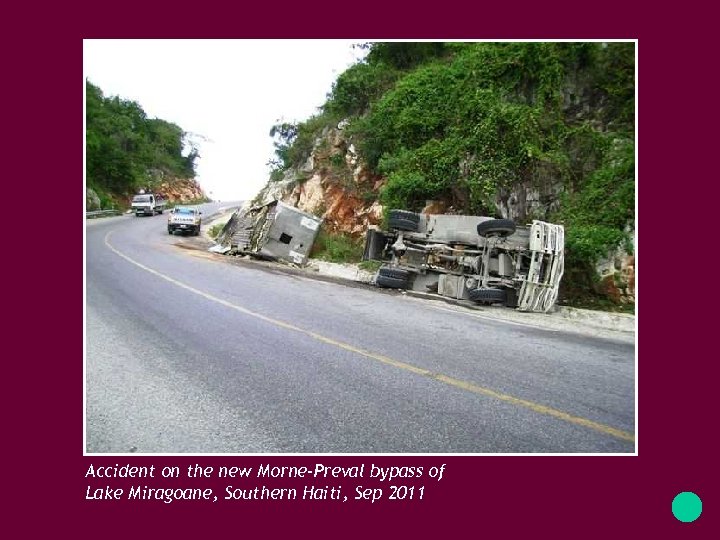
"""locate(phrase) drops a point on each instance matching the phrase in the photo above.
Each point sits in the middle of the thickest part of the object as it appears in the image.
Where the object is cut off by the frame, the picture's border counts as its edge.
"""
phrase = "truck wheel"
(390, 283)
(197, 230)
(496, 227)
(160, 211)
(392, 278)
(488, 296)
(403, 220)
(512, 298)
(169, 230)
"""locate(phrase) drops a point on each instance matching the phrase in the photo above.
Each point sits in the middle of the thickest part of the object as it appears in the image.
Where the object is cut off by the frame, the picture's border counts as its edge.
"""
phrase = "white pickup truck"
(148, 204)
(184, 218)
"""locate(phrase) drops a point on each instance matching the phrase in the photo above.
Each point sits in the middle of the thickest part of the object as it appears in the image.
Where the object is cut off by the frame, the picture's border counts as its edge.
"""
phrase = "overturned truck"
(274, 231)
(473, 258)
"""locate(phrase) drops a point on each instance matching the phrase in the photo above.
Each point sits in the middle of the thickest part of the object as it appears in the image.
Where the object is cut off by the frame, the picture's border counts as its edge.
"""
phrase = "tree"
(125, 149)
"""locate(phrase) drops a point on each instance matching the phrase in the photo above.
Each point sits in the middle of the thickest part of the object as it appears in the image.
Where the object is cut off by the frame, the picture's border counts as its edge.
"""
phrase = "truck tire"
(496, 227)
(488, 296)
(390, 283)
(512, 298)
(402, 220)
(170, 231)
(392, 278)
(197, 230)
(160, 211)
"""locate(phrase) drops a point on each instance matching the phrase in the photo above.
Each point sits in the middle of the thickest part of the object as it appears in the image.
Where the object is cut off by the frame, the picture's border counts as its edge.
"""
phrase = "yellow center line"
(451, 381)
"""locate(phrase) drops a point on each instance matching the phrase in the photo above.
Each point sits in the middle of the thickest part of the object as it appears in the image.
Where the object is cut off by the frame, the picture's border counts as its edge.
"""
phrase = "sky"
(228, 93)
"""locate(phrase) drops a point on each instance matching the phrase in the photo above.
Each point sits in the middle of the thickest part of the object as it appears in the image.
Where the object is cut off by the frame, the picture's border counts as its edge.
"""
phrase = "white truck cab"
(148, 204)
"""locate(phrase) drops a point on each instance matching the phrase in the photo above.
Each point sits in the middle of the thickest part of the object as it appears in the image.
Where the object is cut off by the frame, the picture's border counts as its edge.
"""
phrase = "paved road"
(187, 352)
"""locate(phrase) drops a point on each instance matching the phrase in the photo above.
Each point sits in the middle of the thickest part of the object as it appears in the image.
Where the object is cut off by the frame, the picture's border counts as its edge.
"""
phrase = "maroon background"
(479, 496)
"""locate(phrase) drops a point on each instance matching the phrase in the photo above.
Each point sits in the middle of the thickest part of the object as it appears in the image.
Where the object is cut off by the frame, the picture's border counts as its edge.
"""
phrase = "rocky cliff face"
(177, 190)
(617, 274)
(526, 201)
(333, 184)
(92, 200)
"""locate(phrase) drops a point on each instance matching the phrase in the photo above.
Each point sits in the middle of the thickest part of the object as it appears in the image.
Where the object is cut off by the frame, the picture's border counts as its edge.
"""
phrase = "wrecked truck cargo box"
(274, 231)
(217, 248)
(476, 258)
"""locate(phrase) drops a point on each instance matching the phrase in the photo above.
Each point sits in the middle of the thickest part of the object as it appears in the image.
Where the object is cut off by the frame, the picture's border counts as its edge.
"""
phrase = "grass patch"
(599, 303)
(370, 266)
(214, 230)
(337, 248)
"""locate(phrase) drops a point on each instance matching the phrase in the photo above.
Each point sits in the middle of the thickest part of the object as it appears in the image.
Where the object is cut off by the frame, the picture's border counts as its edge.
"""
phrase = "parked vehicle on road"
(148, 204)
(475, 258)
(185, 219)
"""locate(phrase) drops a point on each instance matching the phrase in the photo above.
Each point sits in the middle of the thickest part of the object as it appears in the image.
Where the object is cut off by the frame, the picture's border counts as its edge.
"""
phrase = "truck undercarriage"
(474, 258)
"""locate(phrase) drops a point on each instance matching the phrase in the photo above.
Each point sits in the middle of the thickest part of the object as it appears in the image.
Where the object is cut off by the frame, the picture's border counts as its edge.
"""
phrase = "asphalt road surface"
(189, 352)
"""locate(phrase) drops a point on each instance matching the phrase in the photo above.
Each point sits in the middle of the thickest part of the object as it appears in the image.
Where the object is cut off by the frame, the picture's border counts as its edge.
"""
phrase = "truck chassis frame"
(473, 258)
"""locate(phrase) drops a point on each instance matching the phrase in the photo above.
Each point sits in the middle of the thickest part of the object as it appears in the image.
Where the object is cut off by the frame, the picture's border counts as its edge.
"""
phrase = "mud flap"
(375, 243)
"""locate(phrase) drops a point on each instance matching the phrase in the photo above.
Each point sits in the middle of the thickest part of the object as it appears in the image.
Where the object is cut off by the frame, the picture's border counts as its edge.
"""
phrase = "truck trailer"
(274, 231)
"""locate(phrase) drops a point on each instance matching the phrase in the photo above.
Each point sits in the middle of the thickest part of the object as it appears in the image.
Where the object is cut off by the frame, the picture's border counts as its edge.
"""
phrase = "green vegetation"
(463, 122)
(370, 266)
(215, 229)
(602, 303)
(295, 142)
(336, 248)
(125, 150)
